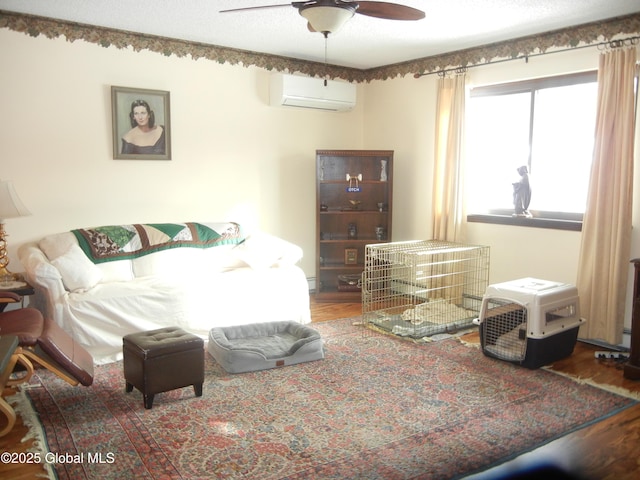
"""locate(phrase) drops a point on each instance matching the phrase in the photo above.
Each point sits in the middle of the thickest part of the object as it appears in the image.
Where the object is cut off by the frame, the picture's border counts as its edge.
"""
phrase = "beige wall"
(400, 114)
(234, 156)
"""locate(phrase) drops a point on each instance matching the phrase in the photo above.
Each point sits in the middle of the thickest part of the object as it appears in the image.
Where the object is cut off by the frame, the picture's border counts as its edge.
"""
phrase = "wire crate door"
(504, 329)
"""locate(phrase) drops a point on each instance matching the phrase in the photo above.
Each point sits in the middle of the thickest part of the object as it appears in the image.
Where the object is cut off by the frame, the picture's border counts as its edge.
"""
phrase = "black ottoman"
(161, 360)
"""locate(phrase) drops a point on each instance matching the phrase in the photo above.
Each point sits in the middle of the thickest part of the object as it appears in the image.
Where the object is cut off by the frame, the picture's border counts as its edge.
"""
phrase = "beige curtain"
(606, 230)
(448, 185)
(448, 182)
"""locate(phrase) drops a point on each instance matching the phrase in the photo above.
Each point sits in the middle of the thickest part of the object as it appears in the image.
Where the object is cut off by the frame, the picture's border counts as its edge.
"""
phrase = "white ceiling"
(364, 42)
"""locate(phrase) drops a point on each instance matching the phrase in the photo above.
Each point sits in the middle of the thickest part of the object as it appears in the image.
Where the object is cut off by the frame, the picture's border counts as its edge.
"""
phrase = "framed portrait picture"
(141, 124)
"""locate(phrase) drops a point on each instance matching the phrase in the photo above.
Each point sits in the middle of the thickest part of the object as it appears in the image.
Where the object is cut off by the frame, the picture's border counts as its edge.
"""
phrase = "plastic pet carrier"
(530, 322)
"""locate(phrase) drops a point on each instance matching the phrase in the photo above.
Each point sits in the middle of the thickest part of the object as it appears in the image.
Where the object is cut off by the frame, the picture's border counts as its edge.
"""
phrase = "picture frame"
(132, 140)
(350, 256)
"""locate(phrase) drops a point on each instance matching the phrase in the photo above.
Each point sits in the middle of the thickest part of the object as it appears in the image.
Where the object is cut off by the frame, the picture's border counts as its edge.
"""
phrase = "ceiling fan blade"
(256, 8)
(391, 11)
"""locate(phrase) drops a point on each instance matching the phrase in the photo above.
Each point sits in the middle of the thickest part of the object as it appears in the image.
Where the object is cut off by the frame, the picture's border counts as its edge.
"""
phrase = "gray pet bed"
(259, 346)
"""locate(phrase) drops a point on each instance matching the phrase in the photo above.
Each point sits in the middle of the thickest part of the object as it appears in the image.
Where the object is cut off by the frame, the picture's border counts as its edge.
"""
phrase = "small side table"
(19, 286)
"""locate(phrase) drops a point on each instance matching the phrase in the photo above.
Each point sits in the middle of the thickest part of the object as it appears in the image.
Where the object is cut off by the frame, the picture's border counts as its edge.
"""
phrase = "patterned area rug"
(375, 407)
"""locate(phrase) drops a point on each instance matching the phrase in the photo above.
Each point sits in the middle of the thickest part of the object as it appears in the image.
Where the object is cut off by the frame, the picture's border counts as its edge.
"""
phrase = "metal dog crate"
(423, 288)
(529, 321)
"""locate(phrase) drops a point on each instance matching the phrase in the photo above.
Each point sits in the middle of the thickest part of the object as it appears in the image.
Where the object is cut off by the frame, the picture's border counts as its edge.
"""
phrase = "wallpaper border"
(519, 47)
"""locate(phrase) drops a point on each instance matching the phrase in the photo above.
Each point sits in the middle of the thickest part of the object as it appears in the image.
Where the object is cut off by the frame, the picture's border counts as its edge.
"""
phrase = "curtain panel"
(448, 187)
(606, 230)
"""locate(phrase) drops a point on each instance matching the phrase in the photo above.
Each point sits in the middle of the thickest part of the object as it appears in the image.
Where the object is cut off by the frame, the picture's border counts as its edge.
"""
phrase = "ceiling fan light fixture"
(327, 19)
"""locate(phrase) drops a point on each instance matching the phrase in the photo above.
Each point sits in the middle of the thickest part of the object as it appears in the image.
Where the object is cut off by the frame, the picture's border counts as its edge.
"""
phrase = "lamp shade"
(327, 19)
(10, 204)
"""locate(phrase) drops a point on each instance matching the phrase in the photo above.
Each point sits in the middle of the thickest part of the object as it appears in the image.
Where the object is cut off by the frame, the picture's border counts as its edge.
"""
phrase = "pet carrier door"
(503, 329)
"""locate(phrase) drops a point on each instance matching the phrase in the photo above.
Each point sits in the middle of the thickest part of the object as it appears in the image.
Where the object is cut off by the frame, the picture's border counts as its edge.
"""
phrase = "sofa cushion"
(120, 271)
(261, 250)
(77, 271)
(185, 262)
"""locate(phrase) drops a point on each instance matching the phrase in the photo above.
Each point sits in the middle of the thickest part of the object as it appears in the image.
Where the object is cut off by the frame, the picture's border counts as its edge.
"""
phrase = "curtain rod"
(623, 42)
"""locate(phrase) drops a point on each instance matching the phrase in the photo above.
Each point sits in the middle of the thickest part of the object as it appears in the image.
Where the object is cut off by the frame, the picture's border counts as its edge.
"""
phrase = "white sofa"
(169, 281)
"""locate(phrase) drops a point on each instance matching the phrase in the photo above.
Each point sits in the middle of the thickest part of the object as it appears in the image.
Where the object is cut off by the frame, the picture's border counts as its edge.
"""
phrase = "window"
(546, 124)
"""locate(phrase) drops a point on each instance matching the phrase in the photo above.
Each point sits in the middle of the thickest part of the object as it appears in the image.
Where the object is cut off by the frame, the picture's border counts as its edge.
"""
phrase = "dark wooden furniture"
(353, 209)
(23, 289)
(632, 367)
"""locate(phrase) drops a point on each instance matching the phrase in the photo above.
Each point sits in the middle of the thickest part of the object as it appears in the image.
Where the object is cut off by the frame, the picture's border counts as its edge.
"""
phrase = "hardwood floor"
(18, 468)
(606, 450)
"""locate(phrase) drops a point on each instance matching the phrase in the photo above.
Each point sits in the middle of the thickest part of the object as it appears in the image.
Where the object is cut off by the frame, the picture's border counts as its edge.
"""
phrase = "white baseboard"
(312, 283)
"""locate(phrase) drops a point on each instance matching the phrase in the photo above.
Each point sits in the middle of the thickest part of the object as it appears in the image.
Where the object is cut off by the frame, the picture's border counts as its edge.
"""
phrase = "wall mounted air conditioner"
(307, 92)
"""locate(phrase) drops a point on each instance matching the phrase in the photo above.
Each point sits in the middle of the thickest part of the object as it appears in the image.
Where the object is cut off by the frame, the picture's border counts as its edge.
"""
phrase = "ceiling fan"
(327, 16)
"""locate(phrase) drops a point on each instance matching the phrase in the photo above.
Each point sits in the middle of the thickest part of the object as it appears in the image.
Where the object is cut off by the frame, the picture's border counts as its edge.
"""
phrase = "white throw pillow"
(77, 271)
(262, 250)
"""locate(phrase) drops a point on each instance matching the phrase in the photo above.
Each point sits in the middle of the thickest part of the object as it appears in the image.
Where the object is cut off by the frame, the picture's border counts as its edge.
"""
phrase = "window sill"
(534, 222)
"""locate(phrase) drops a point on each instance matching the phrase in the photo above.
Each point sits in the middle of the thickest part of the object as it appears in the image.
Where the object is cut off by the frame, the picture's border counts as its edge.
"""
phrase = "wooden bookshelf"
(353, 209)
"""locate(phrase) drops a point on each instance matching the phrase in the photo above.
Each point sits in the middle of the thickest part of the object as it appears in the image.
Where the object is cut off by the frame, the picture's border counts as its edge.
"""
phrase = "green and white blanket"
(118, 242)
